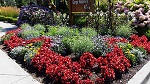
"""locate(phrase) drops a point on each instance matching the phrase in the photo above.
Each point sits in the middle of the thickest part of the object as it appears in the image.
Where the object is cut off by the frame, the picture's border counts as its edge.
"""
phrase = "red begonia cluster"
(142, 41)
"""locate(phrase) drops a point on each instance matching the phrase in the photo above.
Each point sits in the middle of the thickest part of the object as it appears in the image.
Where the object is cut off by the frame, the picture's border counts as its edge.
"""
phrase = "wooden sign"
(79, 6)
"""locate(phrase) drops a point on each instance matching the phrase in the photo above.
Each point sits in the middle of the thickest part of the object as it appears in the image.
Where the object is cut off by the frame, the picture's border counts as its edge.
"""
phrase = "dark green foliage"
(148, 34)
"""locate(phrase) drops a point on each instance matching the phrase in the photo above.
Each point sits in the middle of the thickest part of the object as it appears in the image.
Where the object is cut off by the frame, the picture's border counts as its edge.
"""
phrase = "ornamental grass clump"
(9, 11)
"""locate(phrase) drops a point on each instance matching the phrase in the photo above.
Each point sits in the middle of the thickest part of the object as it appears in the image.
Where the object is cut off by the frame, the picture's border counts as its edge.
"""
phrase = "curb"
(142, 76)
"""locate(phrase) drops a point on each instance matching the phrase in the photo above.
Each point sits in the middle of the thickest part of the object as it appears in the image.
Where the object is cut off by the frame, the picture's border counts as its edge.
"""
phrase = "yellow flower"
(24, 60)
(30, 55)
(30, 44)
(30, 48)
(128, 50)
(132, 55)
(121, 46)
(129, 44)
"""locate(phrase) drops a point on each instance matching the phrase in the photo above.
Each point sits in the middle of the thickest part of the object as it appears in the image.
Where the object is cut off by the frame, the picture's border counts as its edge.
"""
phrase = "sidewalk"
(10, 71)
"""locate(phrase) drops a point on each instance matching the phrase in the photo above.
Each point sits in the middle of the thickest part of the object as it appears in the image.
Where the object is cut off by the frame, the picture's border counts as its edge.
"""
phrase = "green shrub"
(29, 34)
(8, 19)
(2, 18)
(67, 32)
(52, 31)
(39, 27)
(18, 53)
(78, 44)
(104, 31)
(90, 32)
(24, 26)
(124, 30)
(80, 20)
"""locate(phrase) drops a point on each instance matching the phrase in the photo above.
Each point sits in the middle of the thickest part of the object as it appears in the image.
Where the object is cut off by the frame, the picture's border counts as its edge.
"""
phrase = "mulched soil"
(43, 79)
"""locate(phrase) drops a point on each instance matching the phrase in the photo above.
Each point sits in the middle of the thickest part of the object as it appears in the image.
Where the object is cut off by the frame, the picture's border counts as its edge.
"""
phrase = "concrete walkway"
(10, 71)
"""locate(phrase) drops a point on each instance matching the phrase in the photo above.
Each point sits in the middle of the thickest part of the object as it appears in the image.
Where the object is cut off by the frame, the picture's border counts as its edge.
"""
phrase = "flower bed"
(88, 69)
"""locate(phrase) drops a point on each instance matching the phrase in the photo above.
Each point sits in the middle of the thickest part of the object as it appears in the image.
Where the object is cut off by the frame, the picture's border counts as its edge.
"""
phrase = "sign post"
(79, 7)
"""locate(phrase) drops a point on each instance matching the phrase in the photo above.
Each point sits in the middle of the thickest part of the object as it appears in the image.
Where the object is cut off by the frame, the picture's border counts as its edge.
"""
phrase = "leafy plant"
(30, 54)
(18, 53)
(39, 28)
(135, 55)
(29, 34)
(124, 30)
(78, 44)
(80, 20)
(90, 32)
(67, 32)
(52, 30)
(61, 19)
(25, 26)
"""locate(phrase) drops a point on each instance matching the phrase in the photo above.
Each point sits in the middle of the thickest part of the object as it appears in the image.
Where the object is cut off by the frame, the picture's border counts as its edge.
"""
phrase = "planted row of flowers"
(89, 69)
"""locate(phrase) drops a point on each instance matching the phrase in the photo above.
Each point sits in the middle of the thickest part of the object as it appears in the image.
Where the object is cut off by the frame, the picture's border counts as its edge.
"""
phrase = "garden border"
(142, 76)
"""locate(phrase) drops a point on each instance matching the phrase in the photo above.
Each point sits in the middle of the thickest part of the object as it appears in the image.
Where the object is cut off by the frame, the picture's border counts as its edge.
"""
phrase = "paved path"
(10, 71)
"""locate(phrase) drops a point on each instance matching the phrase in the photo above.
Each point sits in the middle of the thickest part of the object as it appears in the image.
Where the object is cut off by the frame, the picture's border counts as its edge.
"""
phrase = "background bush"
(34, 14)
